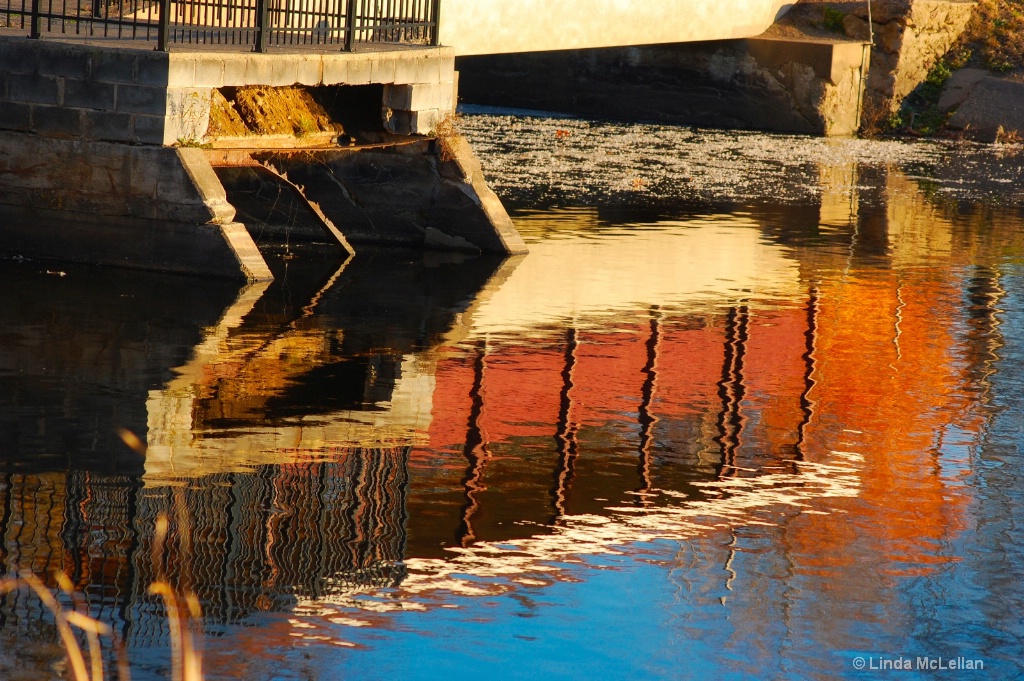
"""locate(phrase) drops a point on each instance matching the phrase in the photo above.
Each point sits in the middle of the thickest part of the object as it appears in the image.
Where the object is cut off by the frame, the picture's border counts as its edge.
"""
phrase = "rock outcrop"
(909, 37)
(989, 109)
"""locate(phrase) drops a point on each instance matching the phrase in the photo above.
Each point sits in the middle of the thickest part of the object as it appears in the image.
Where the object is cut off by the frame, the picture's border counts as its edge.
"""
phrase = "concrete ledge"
(830, 60)
(232, 69)
(146, 207)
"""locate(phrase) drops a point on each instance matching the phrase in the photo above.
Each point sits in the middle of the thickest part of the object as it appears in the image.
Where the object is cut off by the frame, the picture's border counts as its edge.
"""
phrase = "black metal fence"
(255, 24)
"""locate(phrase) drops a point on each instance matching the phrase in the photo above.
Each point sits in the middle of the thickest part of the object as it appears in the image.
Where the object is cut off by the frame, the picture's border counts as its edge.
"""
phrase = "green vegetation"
(832, 20)
(192, 142)
(305, 126)
(920, 112)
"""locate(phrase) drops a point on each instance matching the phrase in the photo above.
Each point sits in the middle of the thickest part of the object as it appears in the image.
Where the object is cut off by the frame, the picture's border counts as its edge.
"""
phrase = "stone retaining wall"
(909, 37)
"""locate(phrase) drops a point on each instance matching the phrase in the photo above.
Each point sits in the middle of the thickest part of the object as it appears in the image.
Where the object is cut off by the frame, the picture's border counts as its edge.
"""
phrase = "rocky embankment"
(938, 66)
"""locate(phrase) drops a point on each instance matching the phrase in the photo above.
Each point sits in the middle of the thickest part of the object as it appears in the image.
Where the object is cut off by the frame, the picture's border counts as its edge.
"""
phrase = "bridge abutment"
(105, 151)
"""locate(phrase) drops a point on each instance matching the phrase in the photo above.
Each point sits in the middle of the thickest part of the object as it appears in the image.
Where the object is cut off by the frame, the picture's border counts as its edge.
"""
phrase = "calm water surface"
(772, 431)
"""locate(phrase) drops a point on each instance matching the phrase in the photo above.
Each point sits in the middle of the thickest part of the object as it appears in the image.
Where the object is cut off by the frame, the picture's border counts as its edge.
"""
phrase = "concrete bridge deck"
(475, 27)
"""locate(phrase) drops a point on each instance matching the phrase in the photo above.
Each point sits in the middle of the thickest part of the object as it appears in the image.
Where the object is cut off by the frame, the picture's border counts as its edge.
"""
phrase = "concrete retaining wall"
(786, 85)
(401, 195)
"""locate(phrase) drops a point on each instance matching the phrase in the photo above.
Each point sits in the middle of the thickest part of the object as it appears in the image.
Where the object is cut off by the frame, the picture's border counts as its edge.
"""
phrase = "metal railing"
(256, 24)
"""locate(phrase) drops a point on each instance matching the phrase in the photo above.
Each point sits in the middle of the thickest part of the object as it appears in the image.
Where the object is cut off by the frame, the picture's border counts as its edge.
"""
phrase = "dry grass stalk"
(186, 658)
(446, 132)
(65, 619)
(183, 614)
(996, 32)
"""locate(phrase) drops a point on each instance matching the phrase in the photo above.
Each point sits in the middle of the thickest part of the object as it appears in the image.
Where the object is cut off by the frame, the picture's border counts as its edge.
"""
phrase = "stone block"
(56, 121)
(181, 71)
(258, 70)
(406, 69)
(16, 56)
(191, 107)
(234, 69)
(995, 105)
(15, 116)
(140, 99)
(113, 66)
(447, 67)
(152, 69)
(335, 69)
(399, 122)
(61, 61)
(398, 97)
(33, 89)
(309, 71)
(428, 70)
(420, 96)
(358, 72)
(424, 122)
(382, 68)
(450, 95)
(413, 122)
(284, 70)
(148, 129)
(107, 126)
(209, 72)
(959, 87)
(81, 94)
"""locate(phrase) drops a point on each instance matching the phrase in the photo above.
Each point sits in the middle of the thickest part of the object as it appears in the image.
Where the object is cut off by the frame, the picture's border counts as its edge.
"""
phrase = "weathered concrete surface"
(151, 207)
(910, 36)
(122, 94)
(506, 26)
(410, 195)
(993, 109)
(792, 85)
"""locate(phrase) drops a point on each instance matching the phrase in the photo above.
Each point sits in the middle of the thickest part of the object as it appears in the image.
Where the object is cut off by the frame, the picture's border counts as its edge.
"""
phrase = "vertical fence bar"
(350, 24)
(434, 22)
(163, 26)
(35, 30)
(261, 25)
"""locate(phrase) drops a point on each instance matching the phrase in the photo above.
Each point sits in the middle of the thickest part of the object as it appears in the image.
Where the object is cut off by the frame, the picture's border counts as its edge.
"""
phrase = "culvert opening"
(340, 114)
